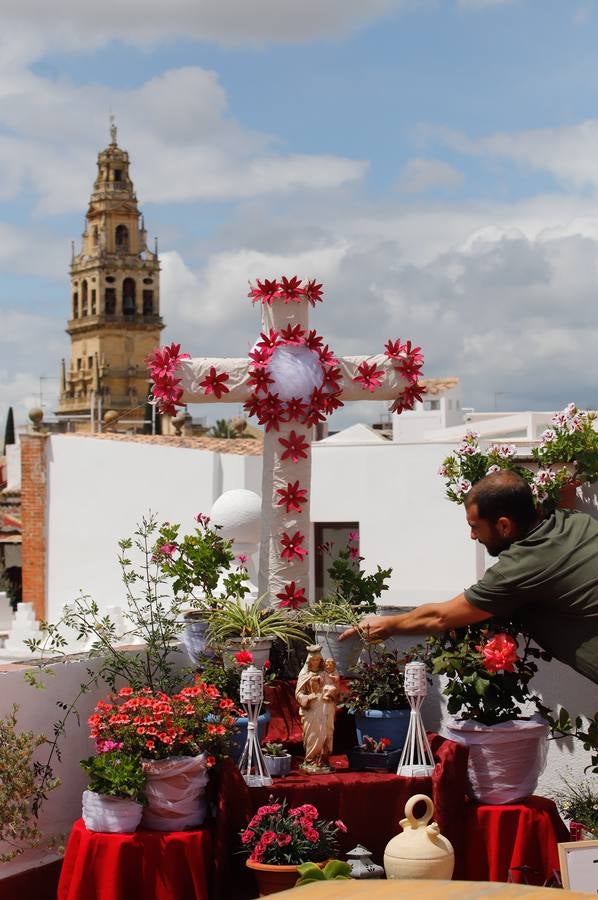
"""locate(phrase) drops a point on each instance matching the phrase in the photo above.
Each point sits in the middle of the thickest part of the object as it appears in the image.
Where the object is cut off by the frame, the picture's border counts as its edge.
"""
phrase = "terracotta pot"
(272, 879)
(568, 496)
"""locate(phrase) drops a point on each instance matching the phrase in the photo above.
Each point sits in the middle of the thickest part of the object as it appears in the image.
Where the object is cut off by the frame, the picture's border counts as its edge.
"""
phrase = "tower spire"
(112, 130)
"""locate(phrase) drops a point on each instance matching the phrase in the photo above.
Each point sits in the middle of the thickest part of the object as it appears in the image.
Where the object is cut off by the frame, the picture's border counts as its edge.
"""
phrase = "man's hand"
(374, 628)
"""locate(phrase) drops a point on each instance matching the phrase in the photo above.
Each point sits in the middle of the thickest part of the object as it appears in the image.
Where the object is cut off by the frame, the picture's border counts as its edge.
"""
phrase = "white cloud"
(420, 174)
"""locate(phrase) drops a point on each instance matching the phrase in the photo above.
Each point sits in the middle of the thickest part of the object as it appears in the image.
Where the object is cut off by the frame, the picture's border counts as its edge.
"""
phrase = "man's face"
(495, 536)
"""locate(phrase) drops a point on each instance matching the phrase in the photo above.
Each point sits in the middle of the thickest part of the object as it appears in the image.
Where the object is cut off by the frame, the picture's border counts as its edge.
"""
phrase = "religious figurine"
(318, 688)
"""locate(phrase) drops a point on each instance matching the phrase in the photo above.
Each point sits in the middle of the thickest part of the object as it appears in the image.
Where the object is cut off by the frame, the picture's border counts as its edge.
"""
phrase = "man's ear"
(506, 527)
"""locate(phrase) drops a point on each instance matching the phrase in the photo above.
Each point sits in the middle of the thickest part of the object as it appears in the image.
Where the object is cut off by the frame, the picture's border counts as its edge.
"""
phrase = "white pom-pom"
(296, 372)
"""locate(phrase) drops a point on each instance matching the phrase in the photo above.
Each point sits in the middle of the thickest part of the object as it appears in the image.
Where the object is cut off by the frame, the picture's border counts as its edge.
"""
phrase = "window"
(110, 279)
(330, 539)
(148, 303)
(95, 235)
(129, 297)
(110, 301)
(121, 237)
(84, 297)
(75, 305)
(90, 362)
(118, 175)
(432, 404)
(148, 280)
(93, 301)
(78, 364)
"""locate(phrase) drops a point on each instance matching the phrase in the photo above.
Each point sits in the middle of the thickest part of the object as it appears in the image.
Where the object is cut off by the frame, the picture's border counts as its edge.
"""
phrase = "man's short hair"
(504, 494)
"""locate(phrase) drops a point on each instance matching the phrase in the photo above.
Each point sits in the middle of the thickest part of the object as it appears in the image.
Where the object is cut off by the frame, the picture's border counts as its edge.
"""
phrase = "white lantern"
(252, 764)
(416, 758)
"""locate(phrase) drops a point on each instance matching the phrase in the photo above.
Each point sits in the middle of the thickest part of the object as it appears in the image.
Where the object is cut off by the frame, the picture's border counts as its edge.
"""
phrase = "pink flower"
(106, 746)
(247, 836)
(291, 546)
(500, 653)
(309, 811)
(167, 550)
(338, 822)
(201, 519)
(268, 837)
(312, 835)
(244, 658)
(353, 535)
(283, 839)
(242, 559)
(354, 552)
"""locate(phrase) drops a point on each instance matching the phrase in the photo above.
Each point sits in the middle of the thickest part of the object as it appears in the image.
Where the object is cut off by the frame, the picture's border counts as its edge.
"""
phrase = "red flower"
(332, 402)
(292, 597)
(313, 292)
(369, 376)
(266, 665)
(270, 412)
(162, 365)
(292, 496)
(260, 356)
(339, 822)
(214, 383)
(354, 553)
(295, 410)
(296, 447)
(408, 397)
(313, 341)
(260, 378)
(164, 361)
(327, 357)
(500, 653)
(393, 348)
(332, 375)
(266, 291)
(294, 334)
(253, 405)
(268, 341)
(290, 289)
(210, 761)
(244, 657)
(292, 546)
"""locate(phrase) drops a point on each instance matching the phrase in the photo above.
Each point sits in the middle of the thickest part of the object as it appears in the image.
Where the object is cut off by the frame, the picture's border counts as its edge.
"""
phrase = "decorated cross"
(290, 381)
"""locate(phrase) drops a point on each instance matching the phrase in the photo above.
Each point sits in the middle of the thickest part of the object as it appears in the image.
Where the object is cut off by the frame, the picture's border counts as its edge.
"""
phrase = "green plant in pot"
(377, 698)
(487, 674)
(114, 798)
(278, 759)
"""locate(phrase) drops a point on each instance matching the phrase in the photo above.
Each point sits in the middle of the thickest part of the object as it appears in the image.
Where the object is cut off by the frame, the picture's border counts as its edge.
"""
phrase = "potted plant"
(578, 802)
(228, 681)
(377, 698)
(334, 870)
(251, 627)
(278, 840)
(568, 453)
(178, 737)
(278, 760)
(375, 755)
(354, 595)
(113, 801)
(487, 684)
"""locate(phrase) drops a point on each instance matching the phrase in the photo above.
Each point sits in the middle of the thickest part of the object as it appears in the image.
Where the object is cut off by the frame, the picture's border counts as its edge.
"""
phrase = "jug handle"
(409, 806)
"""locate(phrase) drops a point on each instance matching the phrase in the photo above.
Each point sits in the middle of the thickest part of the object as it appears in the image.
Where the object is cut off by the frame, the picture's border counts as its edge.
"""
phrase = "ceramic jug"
(420, 851)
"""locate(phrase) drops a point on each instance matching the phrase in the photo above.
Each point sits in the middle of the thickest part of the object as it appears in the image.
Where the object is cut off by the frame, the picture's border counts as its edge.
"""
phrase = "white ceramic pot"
(175, 792)
(278, 766)
(116, 815)
(505, 760)
(344, 653)
(194, 639)
(420, 851)
(259, 649)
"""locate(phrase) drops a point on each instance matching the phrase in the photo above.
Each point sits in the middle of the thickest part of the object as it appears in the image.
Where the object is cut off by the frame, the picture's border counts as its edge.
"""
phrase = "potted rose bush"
(278, 840)
(487, 685)
(175, 740)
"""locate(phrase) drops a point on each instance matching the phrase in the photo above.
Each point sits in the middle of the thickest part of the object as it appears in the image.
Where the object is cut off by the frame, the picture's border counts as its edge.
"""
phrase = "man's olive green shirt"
(549, 582)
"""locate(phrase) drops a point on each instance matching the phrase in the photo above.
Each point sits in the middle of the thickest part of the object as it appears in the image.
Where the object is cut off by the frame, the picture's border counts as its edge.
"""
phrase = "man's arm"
(431, 618)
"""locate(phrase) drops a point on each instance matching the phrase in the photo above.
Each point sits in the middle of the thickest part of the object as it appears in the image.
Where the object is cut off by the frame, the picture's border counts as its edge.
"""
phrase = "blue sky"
(435, 163)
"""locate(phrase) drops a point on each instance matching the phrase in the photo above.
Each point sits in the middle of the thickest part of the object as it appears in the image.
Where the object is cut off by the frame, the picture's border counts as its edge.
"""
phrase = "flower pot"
(116, 815)
(367, 760)
(278, 766)
(272, 879)
(505, 760)
(344, 653)
(175, 792)
(194, 639)
(258, 647)
(237, 741)
(383, 723)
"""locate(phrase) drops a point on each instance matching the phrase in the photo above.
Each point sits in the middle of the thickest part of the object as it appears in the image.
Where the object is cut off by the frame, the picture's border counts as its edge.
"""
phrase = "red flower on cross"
(292, 597)
(293, 334)
(369, 376)
(213, 383)
(313, 292)
(296, 409)
(265, 291)
(296, 447)
(292, 496)
(292, 546)
(290, 289)
(162, 365)
(260, 378)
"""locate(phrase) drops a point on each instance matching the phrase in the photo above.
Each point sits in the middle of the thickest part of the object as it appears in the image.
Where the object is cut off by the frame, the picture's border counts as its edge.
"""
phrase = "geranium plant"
(113, 772)
(488, 672)
(378, 683)
(155, 725)
(572, 439)
(469, 464)
(277, 836)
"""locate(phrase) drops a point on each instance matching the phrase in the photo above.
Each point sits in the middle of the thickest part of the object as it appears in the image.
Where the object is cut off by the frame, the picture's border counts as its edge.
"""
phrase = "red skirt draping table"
(146, 865)
(518, 835)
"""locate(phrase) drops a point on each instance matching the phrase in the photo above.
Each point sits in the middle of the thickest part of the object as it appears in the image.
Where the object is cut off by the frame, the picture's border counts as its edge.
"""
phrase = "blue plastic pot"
(383, 723)
(237, 741)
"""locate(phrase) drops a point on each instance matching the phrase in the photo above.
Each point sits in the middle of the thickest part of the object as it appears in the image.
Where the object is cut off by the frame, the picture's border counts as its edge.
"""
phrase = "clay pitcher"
(420, 851)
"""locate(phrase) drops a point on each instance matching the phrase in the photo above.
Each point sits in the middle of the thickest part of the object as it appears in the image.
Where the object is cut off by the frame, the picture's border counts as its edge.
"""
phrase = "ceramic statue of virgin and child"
(318, 689)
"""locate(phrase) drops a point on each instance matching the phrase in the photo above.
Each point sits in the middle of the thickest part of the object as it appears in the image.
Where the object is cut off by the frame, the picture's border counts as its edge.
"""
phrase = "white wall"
(99, 489)
(405, 521)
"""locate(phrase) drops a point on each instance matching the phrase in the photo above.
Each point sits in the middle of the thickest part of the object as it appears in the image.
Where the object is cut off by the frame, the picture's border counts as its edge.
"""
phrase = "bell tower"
(115, 302)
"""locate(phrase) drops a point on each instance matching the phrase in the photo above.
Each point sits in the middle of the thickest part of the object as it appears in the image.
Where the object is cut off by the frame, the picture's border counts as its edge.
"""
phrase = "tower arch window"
(148, 303)
(95, 235)
(110, 301)
(121, 237)
(93, 302)
(84, 297)
(75, 305)
(129, 297)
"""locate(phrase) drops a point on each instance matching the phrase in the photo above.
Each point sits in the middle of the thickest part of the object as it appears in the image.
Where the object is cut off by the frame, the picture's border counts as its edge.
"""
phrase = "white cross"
(284, 560)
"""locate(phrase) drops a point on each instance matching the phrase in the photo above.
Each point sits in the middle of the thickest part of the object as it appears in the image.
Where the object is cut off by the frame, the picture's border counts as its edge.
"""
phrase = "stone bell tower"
(115, 302)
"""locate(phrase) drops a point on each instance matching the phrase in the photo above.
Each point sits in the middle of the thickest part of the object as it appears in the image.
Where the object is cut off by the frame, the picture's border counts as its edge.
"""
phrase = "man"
(546, 576)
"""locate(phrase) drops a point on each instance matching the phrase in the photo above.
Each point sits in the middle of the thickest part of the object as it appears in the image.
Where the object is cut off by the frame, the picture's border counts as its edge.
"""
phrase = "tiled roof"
(436, 386)
(237, 446)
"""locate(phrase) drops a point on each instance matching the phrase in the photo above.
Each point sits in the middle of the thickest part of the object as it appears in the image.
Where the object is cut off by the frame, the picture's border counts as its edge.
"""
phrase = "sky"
(433, 162)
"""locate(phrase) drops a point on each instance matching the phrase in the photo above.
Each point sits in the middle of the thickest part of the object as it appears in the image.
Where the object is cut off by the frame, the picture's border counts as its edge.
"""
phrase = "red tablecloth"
(147, 865)
(502, 838)
(370, 804)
